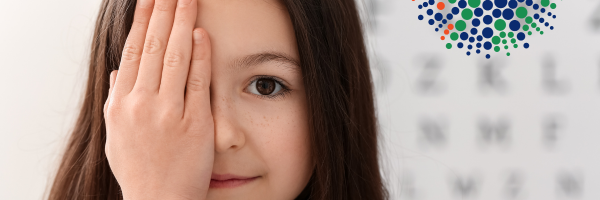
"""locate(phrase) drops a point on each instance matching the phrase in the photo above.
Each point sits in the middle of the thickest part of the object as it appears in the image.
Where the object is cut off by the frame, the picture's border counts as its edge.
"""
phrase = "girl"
(225, 99)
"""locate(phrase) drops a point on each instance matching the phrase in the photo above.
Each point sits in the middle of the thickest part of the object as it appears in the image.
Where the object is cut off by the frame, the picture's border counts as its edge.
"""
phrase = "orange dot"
(446, 32)
(450, 26)
(441, 5)
(443, 38)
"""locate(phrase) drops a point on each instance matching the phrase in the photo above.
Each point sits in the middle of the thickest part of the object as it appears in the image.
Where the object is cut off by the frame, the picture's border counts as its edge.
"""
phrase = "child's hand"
(160, 130)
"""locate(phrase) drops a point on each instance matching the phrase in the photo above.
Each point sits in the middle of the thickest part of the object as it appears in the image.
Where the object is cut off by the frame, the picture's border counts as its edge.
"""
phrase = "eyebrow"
(252, 60)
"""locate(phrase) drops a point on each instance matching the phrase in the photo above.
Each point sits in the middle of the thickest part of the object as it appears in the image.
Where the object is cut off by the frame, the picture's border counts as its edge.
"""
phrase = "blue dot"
(420, 6)
(500, 3)
(497, 13)
(536, 16)
(479, 38)
(425, 4)
(440, 25)
(541, 20)
(547, 24)
(551, 27)
(543, 10)
(508, 14)
(464, 36)
(431, 2)
(455, 10)
(439, 16)
(487, 32)
(431, 22)
(462, 4)
(449, 16)
(488, 19)
(487, 56)
(429, 12)
(436, 29)
(487, 45)
(513, 4)
(487, 5)
(475, 22)
(478, 12)
(478, 51)
(474, 31)
(420, 17)
(550, 14)
(554, 16)
(521, 0)
(444, 21)
(526, 45)
(529, 2)
(460, 45)
(470, 46)
(478, 45)
(514, 25)
(471, 39)
(536, 6)
(468, 53)
(521, 36)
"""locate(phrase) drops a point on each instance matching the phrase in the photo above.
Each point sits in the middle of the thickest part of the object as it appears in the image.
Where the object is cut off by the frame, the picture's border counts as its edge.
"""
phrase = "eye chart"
(458, 126)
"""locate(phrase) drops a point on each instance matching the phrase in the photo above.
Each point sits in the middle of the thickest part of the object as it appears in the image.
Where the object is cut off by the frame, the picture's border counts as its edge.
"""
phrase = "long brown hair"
(339, 93)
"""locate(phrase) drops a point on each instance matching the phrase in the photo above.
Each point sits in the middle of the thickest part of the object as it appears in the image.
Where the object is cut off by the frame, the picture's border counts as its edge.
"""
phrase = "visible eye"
(267, 86)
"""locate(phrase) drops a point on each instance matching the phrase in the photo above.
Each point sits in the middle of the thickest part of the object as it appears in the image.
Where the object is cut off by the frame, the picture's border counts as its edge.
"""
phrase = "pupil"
(265, 86)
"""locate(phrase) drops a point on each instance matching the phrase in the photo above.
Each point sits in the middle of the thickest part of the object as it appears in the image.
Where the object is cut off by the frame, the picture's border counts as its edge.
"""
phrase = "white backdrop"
(454, 126)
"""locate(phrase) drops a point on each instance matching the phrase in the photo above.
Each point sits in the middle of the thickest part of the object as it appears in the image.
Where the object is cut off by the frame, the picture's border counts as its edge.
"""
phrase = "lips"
(229, 180)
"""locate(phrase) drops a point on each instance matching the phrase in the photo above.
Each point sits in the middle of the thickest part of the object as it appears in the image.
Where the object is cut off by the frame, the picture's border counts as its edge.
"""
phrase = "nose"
(228, 135)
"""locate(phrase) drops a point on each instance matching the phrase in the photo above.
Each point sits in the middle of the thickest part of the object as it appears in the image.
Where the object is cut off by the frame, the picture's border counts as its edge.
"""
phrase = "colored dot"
(514, 25)
(420, 17)
(464, 36)
(513, 40)
(487, 56)
(488, 19)
(474, 3)
(496, 48)
(429, 12)
(473, 31)
(500, 24)
(529, 2)
(440, 25)
(536, 6)
(478, 45)
(528, 20)
(543, 10)
(525, 27)
(438, 16)
(504, 41)
(551, 27)
(513, 4)
(454, 36)
(497, 13)
(502, 34)
(425, 4)
(461, 25)
(521, 36)
(475, 22)
(479, 38)
(529, 33)
(541, 32)
(478, 51)
(459, 45)
(448, 46)
(533, 25)
(444, 21)
(443, 38)
(511, 34)
(468, 53)
(545, 3)
(470, 47)
(546, 24)
(441, 5)
(553, 5)
(487, 5)
(508, 14)
(449, 16)
(487, 45)
(420, 7)
(537, 29)
(478, 12)
(496, 40)
(462, 4)
(487, 32)
(437, 29)
(452, 1)
(526, 45)
(455, 10)
(446, 32)
(500, 3)
(467, 14)
(507, 54)
(554, 16)
(431, 2)
(541, 20)
(549, 14)
(536, 16)
(521, 12)
(471, 39)
(505, 46)
(515, 46)
(431, 22)
(450, 26)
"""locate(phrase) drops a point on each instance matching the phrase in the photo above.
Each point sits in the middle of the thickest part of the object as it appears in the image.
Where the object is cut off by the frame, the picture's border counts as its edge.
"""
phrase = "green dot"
(553, 5)
(525, 27)
(507, 54)
(516, 45)
(502, 34)
(513, 40)
(505, 46)
(496, 40)
(542, 32)
(460, 25)
(467, 14)
(521, 12)
(474, 3)
(528, 20)
(504, 41)
(537, 29)
(452, 1)
(511, 34)
(454, 36)
(497, 48)
(533, 25)
(529, 33)
(448, 46)
(545, 3)
(500, 24)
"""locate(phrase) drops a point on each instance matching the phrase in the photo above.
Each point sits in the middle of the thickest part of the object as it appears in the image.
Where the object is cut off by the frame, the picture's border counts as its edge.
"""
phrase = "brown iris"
(265, 86)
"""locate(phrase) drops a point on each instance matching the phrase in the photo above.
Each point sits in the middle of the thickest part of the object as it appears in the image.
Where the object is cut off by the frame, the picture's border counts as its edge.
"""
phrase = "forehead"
(241, 27)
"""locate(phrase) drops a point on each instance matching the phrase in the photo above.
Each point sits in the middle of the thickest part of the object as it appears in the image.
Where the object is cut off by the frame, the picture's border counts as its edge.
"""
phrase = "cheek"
(279, 131)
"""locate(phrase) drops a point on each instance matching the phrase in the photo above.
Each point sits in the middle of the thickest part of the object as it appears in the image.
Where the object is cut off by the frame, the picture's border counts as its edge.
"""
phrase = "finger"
(197, 93)
(157, 37)
(132, 51)
(178, 53)
(113, 78)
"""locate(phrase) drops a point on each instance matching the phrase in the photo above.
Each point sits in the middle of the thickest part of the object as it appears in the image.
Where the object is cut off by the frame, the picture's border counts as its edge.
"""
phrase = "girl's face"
(258, 101)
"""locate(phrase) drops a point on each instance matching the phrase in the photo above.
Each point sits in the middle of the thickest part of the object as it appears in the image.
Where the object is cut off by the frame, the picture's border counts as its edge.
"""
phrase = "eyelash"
(279, 95)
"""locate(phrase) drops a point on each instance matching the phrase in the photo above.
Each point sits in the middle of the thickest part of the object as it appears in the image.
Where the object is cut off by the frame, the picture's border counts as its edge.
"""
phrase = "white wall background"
(43, 61)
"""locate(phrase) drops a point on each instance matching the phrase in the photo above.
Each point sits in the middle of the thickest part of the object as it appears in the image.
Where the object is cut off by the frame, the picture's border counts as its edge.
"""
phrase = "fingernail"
(198, 36)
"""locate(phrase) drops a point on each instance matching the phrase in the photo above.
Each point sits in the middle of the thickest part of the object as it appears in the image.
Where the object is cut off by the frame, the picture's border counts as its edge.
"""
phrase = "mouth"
(229, 180)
